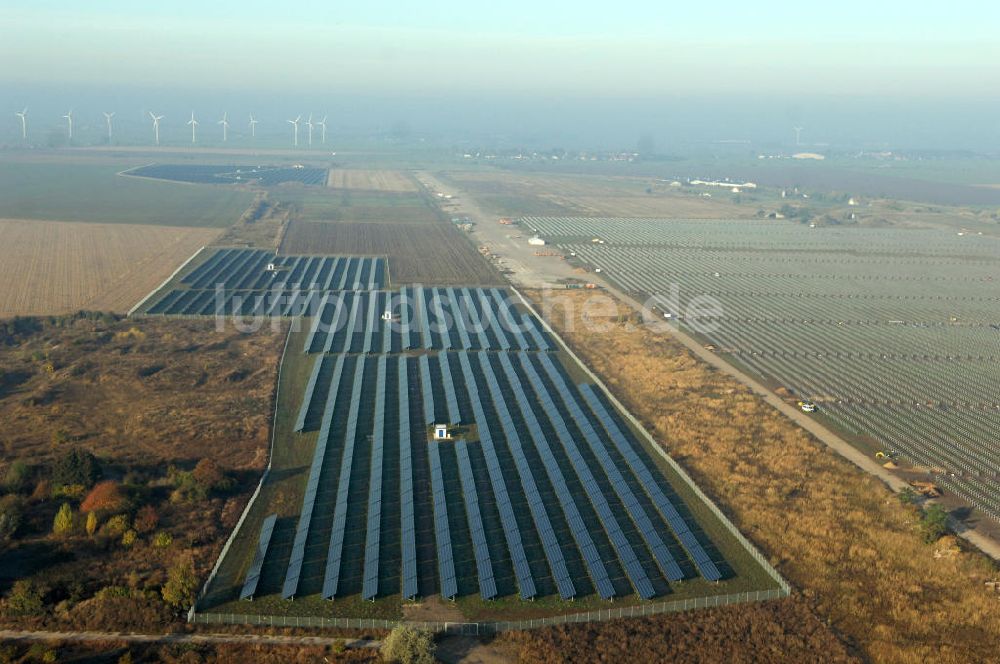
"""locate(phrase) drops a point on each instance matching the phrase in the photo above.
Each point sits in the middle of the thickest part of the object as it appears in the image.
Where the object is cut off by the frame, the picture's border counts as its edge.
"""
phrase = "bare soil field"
(178, 417)
(54, 267)
(370, 180)
(430, 253)
(853, 550)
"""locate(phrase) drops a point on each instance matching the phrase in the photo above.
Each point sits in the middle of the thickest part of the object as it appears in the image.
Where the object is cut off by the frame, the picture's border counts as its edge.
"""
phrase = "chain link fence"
(479, 628)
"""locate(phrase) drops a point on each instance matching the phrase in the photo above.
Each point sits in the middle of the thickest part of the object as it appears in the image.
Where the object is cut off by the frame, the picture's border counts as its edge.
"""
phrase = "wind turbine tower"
(156, 126)
(798, 136)
(225, 126)
(194, 129)
(295, 125)
(322, 126)
(69, 125)
(24, 123)
(107, 118)
(253, 127)
(309, 124)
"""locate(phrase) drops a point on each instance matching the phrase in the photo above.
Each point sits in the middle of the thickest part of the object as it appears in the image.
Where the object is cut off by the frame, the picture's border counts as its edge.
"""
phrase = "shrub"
(162, 540)
(63, 523)
(25, 599)
(105, 497)
(11, 516)
(129, 538)
(116, 526)
(934, 523)
(146, 519)
(406, 645)
(76, 466)
(91, 523)
(181, 587)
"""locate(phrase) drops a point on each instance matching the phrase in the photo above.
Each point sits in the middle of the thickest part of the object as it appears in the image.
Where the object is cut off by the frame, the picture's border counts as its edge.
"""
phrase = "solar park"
(536, 489)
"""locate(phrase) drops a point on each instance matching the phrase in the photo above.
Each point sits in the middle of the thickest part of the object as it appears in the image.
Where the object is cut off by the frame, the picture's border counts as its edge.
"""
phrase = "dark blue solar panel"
(457, 319)
(336, 549)
(617, 481)
(374, 528)
(512, 534)
(253, 574)
(694, 549)
(407, 518)
(442, 530)
(427, 389)
(451, 398)
(484, 567)
(550, 545)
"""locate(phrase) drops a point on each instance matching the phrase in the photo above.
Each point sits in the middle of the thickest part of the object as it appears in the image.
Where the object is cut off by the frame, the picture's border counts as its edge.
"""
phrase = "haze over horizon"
(730, 71)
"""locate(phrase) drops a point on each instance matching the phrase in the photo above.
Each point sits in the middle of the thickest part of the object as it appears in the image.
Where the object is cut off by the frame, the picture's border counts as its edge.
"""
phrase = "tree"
(406, 645)
(208, 474)
(18, 476)
(91, 523)
(76, 466)
(11, 516)
(25, 599)
(181, 587)
(106, 497)
(934, 523)
(63, 523)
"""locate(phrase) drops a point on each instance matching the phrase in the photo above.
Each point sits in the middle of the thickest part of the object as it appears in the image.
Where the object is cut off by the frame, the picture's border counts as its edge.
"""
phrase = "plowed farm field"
(370, 180)
(54, 267)
(425, 253)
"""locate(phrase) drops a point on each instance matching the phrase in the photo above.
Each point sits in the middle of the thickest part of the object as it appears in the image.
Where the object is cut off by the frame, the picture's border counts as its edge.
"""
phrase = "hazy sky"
(578, 48)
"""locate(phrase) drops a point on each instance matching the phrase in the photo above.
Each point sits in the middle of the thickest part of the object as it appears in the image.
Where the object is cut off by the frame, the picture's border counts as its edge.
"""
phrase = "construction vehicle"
(807, 406)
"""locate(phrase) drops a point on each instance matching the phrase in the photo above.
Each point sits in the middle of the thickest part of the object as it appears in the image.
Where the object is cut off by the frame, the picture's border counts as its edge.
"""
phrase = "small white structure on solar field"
(271, 267)
(442, 432)
(536, 241)
(387, 315)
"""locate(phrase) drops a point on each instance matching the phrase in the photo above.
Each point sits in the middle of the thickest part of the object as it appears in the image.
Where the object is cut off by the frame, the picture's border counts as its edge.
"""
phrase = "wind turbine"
(295, 124)
(194, 128)
(69, 120)
(309, 123)
(253, 127)
(24, 122)
(798, 135)
(225, 126)
(107, 117)
(156, 126)
(322, 124)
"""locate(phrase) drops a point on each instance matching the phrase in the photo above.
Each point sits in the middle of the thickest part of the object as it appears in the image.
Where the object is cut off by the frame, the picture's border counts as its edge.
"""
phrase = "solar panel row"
(307, 398)
(442, 530)
(427, 389)
(451, 398)
(246, 269)
(294, 570)
(374, 528)
(550, 544)
(650, 534)
(253, 574)
(408, 526)
(335, 550)
(484, 567)
(706, 567)
(577, 526)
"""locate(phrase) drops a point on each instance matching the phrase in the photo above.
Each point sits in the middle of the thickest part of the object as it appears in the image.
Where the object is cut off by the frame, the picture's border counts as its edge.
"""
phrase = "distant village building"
(536, 241)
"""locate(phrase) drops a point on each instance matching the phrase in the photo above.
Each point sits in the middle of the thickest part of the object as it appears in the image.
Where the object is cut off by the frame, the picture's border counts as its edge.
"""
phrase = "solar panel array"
(428, 318)
(541, 487)
(238, 282)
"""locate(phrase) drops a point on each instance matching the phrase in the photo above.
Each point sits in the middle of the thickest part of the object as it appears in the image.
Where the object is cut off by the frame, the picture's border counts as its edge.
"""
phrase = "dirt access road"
(530, 271)
(264, 639)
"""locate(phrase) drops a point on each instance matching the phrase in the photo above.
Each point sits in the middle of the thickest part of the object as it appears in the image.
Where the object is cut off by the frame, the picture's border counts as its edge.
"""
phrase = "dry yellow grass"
(370, 180)
(53, 267)
(842, 539)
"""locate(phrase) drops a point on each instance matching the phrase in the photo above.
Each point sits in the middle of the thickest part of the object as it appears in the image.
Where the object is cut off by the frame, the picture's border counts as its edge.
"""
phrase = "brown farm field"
(431, 253)
(371, 180)
(853, 551)
(515, 194)
(55, 267)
